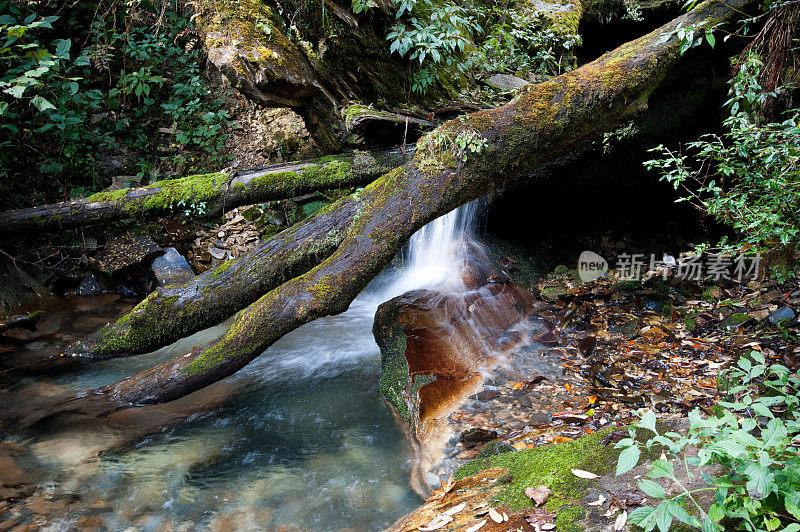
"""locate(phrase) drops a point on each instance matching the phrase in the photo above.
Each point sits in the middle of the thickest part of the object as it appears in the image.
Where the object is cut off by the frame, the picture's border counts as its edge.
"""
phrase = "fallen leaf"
(495, 515)
(455, 509)
(580, 473)
(538, 495)
(437, 523)
(600, 500)
(476, 527)
(505, 516)
(621, 520)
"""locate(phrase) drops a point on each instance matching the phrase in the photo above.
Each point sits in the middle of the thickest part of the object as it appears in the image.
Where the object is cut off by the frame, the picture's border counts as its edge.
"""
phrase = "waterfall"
(436, 253)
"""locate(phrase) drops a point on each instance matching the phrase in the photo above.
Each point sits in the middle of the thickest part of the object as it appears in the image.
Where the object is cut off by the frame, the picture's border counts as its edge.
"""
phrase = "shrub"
(753, 436)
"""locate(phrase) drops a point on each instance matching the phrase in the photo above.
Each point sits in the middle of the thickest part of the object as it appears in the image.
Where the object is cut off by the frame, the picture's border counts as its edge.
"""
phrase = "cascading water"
(305, 439)
(436, 253)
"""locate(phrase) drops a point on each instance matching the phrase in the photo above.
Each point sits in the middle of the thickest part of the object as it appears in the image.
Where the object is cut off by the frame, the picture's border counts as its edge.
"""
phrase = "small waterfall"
(436, 253)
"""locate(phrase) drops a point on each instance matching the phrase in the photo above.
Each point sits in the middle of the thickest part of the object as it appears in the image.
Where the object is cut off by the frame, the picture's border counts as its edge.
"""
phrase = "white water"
(436, 253)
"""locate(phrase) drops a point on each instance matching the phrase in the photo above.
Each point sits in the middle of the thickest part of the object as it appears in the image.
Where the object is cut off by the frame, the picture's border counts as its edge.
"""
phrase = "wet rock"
(171, 268)
(627, 286)
(782, 314)
(15, 483)
(24, 321)
(127, 250)
(477, 435)
(548, 338)
(487, 394)
(90, 285)
(505, 82)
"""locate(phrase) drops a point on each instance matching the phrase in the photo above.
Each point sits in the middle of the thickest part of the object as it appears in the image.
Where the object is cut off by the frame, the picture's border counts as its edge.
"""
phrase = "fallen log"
(207, 195)
(460, 161)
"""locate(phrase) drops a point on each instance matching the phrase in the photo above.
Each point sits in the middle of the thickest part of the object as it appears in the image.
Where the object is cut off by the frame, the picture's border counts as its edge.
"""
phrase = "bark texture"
(543, 122)
(207, 195)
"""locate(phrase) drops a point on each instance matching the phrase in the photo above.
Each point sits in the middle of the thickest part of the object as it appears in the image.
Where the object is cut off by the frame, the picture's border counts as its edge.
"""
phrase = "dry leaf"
(476, 527)
(437, 523)
(580, 473)
(600, 500)
(538, 495)
(505, 516)
(495, 515)
(621, 520)
(455, 509)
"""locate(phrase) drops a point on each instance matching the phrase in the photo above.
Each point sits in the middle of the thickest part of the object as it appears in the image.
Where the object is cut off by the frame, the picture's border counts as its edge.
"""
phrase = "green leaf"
(639, 514)
(628, 459)
(774, 433)
(761, 481)
(662, 469)
(729, 447)
(62, 48)
(648, 422)
(709, 525)
(652, 489)
(716, 512)
(679, 512)
(16, 91)
(42, 104)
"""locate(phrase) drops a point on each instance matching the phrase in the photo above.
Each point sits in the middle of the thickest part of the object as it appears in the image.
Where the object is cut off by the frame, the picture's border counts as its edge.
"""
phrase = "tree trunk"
(460, 161)
(207, 195)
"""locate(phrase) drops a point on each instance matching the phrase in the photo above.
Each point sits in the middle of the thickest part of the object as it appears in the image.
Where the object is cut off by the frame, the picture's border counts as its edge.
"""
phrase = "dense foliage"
(447, 41)
(752, 437)
(749, 176)
(90, 91)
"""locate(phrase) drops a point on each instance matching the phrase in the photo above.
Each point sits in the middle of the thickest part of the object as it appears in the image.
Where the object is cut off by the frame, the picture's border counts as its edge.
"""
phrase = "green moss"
(550, 465)
(735, 319)
(493, 448)
(627, 286)
(108, 196)
(689, 323)
(561, 270)
(552, 293)
(713, 294)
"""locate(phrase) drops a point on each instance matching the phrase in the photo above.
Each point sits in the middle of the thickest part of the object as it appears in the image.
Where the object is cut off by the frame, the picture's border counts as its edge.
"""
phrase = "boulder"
(171, 268)
(505, 82)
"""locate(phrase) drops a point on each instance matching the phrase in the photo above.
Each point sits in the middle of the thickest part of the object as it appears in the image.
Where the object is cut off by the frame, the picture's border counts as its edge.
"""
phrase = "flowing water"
(304, 441)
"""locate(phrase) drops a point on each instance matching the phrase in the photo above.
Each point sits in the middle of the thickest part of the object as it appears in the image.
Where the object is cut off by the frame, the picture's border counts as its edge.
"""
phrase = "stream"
(304, 441)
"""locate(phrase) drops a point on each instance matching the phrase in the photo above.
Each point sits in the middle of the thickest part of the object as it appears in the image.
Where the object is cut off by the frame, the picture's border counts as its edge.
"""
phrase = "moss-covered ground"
(551, 465)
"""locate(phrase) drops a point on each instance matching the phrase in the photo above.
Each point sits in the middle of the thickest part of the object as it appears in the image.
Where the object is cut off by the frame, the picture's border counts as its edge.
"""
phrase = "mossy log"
(207, 195)
(543, 122)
